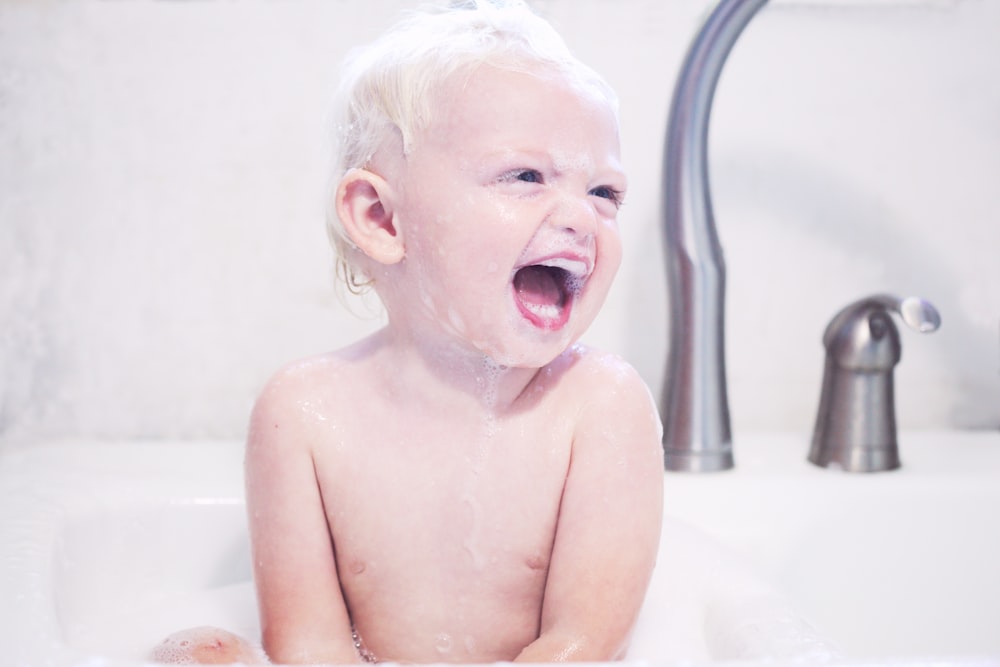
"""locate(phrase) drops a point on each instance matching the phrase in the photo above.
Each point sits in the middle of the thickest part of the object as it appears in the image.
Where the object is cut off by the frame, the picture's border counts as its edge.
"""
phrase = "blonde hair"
(387, 86)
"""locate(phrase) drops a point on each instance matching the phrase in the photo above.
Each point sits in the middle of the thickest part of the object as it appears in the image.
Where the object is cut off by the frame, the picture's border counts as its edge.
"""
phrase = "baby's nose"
(575, 215)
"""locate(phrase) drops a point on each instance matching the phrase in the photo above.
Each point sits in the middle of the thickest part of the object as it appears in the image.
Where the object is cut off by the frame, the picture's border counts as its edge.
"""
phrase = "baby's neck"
(446, 373)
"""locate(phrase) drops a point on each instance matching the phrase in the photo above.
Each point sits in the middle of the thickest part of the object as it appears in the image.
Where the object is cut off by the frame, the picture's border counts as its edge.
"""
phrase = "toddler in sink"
(469, 483)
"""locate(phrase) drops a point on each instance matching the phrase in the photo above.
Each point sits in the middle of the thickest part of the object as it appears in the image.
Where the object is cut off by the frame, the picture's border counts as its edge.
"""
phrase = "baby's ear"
(364, 204)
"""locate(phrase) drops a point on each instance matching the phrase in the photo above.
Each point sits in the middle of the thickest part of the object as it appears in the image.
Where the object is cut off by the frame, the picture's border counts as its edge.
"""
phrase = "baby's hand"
(207, 646)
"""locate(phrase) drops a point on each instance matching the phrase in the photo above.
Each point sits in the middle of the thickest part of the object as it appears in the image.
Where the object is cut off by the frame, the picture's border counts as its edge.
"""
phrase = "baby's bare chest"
(436, 516)
(474, 500)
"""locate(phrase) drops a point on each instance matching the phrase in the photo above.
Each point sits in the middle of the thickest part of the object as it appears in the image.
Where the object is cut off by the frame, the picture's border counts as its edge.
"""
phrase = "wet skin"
(467, 484)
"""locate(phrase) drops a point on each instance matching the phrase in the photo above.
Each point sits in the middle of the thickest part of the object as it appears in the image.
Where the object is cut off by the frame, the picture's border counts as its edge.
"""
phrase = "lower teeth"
(545, 312)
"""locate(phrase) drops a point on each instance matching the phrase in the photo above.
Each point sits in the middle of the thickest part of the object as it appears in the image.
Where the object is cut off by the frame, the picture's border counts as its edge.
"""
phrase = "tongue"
(537, 285)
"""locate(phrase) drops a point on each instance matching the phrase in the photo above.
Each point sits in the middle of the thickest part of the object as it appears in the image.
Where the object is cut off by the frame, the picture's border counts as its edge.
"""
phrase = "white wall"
(162, 163)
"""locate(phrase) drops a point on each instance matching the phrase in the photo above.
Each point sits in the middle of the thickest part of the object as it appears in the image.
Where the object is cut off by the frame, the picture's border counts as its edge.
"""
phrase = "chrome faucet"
(856, 421)
(695, 408)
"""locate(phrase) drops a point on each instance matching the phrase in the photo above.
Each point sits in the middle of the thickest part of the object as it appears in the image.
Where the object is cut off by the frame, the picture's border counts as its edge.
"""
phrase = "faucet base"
(688, 461)
(856, 459)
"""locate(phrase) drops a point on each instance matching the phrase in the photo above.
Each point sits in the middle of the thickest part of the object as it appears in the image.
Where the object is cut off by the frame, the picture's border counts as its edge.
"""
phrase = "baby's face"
(508, 202)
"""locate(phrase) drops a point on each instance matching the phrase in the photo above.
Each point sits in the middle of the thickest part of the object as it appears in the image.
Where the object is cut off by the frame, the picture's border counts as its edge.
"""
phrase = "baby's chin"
(527, 354)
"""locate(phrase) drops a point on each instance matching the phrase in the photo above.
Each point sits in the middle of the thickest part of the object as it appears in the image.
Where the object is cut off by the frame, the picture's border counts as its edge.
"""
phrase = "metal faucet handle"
(918, 314)
(862, 336)
(856, 421)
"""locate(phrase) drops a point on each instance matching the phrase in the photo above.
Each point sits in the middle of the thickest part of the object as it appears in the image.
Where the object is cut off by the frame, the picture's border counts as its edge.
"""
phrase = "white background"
(162, 166)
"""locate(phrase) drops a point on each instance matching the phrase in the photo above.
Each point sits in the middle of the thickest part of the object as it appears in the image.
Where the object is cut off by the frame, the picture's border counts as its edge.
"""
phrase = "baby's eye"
(527, 175)
(609, 193)
(523, 180)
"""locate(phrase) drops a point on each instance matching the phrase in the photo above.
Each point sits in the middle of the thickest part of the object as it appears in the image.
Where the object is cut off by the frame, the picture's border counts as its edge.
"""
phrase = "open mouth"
(544, 292)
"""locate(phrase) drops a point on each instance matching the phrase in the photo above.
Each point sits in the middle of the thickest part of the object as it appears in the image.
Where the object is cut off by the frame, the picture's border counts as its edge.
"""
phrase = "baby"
(468, 484)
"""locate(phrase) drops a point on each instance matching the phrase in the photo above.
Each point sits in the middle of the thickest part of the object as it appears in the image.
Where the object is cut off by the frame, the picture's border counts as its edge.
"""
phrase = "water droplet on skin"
(456, 321)
(314, 409)
(443, 643)
(471, 543)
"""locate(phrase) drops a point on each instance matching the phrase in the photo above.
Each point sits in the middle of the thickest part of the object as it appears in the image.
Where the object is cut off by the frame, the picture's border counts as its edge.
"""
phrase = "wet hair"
(387, 87)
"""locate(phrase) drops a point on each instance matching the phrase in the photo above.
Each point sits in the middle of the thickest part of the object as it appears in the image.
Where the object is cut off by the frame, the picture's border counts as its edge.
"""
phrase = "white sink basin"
(900, 564)
(108, 548)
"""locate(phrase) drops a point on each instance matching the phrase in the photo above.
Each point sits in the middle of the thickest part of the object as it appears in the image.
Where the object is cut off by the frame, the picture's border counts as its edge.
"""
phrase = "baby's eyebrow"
(506, 153)
(609, 173)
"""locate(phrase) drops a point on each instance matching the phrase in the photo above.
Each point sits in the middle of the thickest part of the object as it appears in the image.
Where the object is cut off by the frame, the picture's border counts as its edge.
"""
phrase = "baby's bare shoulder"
(607, 389)
(308, 392)
(594, 372)
(302, 379)
(321, 375)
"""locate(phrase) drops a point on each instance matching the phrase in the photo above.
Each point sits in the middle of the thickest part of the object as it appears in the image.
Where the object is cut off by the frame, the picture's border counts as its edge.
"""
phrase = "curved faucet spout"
(695, 406)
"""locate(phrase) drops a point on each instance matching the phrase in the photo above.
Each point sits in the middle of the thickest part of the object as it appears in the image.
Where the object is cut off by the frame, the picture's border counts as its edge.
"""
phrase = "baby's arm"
(302, 612)
(609, 523)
